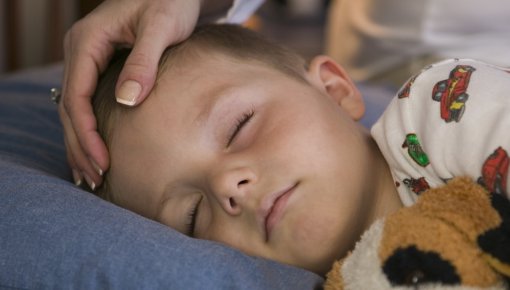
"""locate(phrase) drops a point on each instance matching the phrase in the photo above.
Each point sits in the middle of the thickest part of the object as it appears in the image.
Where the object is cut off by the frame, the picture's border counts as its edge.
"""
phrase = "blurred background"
(32, 31)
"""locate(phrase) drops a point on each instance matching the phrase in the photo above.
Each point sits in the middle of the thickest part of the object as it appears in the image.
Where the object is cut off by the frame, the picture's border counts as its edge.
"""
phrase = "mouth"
(273, 207)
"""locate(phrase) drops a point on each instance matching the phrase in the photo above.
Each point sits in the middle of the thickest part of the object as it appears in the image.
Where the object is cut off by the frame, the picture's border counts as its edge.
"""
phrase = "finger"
(86, 145)
(77, 176)
(83, 69)
(139, 73)
(78, 161)
(88, 173)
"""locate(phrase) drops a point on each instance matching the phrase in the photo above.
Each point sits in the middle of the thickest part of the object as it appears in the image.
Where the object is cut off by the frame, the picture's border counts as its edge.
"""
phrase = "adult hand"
(149, 26)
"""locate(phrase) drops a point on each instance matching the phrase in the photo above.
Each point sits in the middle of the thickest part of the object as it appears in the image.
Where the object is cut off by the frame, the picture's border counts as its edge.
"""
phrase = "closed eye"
(241, 121)
(192, 218)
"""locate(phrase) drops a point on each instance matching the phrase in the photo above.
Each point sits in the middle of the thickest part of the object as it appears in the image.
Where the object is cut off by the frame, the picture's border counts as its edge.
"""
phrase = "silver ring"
(55, 95)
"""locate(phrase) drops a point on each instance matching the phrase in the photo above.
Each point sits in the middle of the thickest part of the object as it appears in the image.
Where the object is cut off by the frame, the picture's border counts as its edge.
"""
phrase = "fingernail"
(77, 178)
(90, 182)
(96, 167)
(129, 92)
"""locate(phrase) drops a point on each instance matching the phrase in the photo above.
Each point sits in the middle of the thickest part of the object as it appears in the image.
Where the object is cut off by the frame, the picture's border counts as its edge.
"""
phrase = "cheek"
(324, 224)
(316, 130)
(237, 234)
(296, 140)
(314, 242)
(313, 228)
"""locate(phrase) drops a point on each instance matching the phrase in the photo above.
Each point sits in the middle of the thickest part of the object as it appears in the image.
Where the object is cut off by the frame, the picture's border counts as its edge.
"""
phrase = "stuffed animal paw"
(455, 237)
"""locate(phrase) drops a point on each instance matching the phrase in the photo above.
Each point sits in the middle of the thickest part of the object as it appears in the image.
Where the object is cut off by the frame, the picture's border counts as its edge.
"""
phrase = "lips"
(273, 207)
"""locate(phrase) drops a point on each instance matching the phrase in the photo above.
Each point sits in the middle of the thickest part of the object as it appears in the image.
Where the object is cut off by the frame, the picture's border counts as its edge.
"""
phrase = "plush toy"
(454, 237)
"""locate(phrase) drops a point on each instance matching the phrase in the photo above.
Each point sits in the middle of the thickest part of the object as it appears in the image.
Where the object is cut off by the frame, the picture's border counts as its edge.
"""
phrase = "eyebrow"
(213, 98)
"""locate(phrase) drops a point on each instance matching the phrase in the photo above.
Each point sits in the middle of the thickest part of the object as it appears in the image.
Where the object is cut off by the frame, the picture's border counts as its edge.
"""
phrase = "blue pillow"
(56, 236)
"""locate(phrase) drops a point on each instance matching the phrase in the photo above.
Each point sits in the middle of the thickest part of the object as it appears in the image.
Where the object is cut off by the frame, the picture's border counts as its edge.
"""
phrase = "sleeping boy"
(244, 143)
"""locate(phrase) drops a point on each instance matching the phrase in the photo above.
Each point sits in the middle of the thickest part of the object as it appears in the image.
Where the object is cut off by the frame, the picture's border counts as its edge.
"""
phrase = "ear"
(330, 78)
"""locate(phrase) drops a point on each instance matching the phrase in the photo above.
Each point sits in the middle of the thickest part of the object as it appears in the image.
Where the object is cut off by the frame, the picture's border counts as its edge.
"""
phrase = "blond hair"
(231, 40)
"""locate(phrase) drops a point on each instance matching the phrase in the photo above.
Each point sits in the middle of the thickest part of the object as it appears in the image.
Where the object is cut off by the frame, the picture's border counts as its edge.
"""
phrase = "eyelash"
(192, 218)
(241, 121)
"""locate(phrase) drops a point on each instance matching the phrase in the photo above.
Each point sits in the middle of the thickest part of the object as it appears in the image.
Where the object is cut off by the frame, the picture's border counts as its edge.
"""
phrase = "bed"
(54, 235)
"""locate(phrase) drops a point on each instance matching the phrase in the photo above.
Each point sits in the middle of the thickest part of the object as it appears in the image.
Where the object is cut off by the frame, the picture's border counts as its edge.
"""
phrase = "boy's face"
(243, 154)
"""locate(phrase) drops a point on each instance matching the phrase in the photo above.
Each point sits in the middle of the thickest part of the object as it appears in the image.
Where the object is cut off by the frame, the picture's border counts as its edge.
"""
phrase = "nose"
(232, 187)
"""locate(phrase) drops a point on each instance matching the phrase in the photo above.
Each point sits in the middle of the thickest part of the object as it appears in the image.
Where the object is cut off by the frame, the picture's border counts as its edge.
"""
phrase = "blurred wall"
(32, 31)
(2, 39)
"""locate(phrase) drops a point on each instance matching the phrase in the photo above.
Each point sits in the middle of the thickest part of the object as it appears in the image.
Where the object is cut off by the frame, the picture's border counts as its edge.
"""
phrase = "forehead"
(188, 92)
(196, 83)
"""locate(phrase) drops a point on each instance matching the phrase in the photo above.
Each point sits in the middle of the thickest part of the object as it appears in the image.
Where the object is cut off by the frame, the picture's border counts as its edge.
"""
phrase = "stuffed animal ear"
(495, 242)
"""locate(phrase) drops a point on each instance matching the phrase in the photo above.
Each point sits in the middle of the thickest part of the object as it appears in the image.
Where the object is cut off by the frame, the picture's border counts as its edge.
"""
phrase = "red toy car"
(417, 185)
(404, 92)
(495, 171)
(452, 93)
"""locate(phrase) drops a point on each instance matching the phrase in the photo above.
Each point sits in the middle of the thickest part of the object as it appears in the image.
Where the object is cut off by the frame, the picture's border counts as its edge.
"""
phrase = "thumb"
(139, 72)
